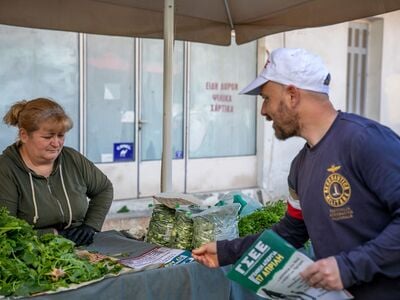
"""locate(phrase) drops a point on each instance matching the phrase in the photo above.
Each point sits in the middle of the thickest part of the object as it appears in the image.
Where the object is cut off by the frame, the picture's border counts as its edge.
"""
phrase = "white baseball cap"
(292, 66)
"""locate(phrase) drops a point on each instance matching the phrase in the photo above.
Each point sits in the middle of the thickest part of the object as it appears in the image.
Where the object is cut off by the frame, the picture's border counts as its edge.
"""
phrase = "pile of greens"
(182, 234)
(161, 225)
(262, 218)
(216, 223)
(203, 232)
(30, 264)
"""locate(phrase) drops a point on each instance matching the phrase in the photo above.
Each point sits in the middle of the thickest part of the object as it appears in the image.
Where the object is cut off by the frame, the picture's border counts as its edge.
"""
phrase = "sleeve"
(230, 251)
(375, 156)
(8, 190)
(100, 194)
(292, 227)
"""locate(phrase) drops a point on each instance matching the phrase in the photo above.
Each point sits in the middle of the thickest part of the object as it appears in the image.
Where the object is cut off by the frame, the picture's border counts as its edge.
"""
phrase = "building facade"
(112, 89)
(365, 70)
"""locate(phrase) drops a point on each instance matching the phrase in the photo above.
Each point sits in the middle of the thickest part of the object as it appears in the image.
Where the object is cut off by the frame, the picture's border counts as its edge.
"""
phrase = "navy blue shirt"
(348, 186)
(348, 190)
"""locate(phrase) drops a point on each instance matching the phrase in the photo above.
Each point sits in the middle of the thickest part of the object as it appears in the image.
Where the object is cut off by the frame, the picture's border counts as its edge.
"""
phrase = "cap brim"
(254, 88)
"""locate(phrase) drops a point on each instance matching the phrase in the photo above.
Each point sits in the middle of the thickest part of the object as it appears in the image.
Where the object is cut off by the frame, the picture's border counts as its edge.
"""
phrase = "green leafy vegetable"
(30, 264)
(215, 223)
(161, 225)
(183, 229)
(123, 209)
(262, 218)
(203, 232)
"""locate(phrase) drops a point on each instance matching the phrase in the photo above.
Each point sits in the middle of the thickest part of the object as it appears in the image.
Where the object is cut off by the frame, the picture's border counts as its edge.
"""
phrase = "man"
(344, 184)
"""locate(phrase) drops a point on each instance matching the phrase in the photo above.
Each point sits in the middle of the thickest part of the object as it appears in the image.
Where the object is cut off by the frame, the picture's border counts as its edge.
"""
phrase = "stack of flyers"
(271, 268)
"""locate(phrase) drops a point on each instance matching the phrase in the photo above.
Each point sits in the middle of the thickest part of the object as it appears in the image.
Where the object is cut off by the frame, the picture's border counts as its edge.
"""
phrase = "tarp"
(207, 21)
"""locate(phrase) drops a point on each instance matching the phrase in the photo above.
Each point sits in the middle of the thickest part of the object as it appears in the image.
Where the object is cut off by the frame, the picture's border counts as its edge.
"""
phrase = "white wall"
(330, 43)
(390, 93)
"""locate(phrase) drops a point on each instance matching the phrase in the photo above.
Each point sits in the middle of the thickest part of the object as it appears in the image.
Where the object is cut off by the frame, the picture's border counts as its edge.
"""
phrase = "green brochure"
(271, 268)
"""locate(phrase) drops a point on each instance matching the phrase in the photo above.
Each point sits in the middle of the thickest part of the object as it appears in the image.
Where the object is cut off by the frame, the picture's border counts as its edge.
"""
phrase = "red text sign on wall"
(221, 97)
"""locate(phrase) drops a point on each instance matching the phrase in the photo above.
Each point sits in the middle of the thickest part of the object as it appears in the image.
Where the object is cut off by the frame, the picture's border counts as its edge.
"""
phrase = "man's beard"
(288, 125)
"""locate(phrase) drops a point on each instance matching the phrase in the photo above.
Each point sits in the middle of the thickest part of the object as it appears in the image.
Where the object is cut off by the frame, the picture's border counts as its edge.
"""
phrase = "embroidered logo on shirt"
(337, 190)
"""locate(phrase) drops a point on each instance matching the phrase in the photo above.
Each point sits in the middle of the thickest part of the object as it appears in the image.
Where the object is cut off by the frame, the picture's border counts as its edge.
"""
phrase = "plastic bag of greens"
(161, 225)
(247, 204)
(216, 223)
(183, 229)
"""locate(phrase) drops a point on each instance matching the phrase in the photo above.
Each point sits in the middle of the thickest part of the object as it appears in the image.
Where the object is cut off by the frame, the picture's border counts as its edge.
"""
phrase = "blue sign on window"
(123, 151)
(178, 154)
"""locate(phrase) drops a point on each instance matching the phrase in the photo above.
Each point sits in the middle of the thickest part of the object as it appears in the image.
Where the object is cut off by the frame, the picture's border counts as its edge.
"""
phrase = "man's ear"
(294, 94)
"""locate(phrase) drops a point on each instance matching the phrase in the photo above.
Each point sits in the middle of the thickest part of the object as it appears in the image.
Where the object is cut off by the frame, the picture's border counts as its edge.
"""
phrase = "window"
(110, 98)
(222, 123)
(39, 63)
(357, 67)
(112, 88)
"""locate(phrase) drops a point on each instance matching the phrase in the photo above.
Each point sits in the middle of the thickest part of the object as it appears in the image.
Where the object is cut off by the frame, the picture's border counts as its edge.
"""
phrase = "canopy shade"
(206, 21)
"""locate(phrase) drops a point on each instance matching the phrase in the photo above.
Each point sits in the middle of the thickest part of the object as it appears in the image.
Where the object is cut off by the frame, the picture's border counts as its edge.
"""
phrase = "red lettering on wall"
(221, 108)
(229, 86)
(222, 98)
(211, 85)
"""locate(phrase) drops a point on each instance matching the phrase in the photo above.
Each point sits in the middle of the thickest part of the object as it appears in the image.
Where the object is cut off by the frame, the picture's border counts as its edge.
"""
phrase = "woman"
(46, 184)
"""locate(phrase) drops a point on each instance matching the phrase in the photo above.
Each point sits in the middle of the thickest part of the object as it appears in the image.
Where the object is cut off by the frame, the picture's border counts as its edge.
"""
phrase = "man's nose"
(263, 108)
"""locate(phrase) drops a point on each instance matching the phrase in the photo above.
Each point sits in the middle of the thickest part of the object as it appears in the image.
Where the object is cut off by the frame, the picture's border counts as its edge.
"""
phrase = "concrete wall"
(390, 81)
(330, 43)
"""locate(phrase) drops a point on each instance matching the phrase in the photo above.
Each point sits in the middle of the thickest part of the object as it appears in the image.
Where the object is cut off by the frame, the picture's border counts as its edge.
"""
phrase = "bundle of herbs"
(265, 218)
(31, 264)
(215, 223)
(182, 234)
(262, 218)
(161, 225)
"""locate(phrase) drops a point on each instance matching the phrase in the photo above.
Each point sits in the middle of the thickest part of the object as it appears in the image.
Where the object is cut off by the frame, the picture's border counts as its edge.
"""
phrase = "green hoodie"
(76, 191)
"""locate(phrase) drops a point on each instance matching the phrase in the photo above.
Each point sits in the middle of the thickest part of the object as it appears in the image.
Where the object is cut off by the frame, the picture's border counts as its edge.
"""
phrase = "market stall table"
(190, 281)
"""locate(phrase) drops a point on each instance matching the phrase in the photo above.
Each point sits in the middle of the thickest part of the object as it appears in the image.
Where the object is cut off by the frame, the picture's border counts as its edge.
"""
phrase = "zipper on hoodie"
(58, 202)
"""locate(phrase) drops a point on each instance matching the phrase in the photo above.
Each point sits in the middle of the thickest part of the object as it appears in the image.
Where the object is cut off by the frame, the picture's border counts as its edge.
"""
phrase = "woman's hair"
(29, 115)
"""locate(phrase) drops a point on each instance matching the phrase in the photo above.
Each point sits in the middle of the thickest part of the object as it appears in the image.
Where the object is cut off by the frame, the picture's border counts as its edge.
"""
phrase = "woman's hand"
(81, 235)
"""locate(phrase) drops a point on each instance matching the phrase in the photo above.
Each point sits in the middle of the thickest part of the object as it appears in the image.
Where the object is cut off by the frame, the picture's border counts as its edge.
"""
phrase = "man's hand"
(324, 273)
(207, 255)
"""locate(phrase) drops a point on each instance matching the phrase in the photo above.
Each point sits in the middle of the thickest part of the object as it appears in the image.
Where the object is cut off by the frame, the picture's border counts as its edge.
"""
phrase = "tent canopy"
(206, 21)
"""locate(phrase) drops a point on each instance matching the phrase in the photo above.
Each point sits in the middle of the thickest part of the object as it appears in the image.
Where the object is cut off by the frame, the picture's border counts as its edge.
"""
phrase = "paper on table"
(156, 258)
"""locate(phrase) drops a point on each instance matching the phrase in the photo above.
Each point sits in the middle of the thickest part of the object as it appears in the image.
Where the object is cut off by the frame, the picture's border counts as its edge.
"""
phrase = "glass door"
(110, 137)
(151, 116)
